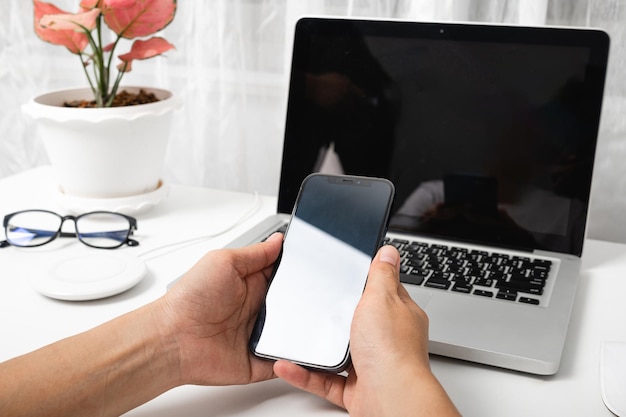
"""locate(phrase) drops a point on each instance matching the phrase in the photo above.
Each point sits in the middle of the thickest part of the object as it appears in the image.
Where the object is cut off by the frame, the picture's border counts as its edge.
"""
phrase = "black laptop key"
(416, 246)
(441, 283)
(483, 293)
(520, 274)
(507, 295)
(412, 279)
(520, 286)
(412, 250)
(417, 264)
(430, 250)
(454, 268)
(528, 300)
(542, 275)
(400, 241)
(483, 282)
(397, 244)
(438, 274)
(462, 287)
(422, 272)
(496, 276)
(474, 270)
(541, 268)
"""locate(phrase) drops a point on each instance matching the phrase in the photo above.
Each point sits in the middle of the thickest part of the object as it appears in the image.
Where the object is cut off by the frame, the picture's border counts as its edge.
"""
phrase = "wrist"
(159, 335)
(426, 398)
(141, 362)
(402, 389)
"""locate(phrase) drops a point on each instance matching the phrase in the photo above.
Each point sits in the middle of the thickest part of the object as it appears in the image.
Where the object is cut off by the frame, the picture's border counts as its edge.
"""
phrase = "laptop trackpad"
(422, 298)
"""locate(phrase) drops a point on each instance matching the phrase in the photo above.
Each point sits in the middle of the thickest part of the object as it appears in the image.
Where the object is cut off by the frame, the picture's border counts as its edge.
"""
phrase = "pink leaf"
(117, 4)
(125, 66)
(72, 40)
(89, 4)
(146, 49)
(138, 18)
(68, 21)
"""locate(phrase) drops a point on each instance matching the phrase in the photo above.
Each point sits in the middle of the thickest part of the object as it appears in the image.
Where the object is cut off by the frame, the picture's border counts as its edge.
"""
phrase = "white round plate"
(130, 205)
(91, 276)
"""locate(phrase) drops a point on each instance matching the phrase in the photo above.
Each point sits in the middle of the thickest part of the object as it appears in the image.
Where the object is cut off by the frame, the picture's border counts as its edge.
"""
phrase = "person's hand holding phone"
(212, 310)
(390, 373)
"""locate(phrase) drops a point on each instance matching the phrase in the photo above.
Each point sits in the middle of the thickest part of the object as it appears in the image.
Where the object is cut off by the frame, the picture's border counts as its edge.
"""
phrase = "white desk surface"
(29, 320)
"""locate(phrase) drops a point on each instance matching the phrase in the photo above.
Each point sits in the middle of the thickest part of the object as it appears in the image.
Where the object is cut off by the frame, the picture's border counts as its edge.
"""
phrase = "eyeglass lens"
(102, 230)
(33, 228)
(98, 229)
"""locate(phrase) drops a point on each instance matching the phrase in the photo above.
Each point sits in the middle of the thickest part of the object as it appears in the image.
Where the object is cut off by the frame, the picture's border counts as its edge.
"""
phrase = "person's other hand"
(212, 311)
(390, 373)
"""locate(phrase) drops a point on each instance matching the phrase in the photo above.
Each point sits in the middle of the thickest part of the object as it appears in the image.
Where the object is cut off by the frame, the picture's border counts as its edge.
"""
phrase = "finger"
(390, 255)
(384, 274)
(257, 257)
(328, 386)
(384, 271)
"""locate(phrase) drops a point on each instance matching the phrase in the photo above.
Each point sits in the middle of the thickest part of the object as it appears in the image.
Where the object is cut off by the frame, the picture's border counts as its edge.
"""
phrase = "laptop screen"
(487, 132)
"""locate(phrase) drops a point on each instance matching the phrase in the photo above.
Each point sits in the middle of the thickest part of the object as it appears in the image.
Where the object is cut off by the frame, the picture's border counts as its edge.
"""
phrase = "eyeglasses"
(98, 229)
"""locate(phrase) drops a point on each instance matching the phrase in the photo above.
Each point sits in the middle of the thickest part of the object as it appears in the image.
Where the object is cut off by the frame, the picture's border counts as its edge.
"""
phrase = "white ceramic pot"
(104, 152)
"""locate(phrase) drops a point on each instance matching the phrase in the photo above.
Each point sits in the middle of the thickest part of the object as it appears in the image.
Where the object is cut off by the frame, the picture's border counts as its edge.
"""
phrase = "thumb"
(388, 254)
(384, 270)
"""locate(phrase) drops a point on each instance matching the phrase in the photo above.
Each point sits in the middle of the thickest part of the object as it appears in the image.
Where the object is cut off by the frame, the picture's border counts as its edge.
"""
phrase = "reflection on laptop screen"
(487, 138)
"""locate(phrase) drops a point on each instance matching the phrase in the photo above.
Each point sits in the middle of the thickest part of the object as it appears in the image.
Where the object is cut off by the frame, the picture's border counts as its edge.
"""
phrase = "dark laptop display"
(488, 138)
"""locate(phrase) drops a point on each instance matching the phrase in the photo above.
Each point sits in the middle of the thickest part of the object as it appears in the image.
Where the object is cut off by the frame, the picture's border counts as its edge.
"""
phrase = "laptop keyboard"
(469, 271)
(475, 272)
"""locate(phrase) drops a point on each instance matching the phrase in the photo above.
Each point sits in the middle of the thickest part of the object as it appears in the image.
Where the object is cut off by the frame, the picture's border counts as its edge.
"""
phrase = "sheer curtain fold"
(231, 67)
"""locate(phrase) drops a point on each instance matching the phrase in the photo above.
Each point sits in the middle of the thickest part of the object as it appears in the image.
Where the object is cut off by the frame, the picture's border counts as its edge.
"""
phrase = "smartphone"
(337, 225)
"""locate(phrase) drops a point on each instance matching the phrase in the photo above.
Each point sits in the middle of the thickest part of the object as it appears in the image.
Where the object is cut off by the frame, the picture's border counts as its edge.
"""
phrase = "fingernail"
(389, 254)
(275, 235)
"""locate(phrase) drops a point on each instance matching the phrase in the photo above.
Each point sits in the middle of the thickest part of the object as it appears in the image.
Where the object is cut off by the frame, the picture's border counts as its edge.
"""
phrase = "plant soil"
(123, 98)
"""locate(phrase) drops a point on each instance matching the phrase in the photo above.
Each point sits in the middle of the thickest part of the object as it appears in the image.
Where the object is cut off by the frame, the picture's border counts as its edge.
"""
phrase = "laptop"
(488, 133)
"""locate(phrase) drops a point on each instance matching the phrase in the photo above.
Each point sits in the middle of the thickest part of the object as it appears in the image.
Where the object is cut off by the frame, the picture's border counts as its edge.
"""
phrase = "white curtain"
(231, 67)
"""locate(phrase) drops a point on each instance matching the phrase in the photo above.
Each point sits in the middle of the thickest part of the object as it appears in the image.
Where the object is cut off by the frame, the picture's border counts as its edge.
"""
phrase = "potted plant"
(105, 141)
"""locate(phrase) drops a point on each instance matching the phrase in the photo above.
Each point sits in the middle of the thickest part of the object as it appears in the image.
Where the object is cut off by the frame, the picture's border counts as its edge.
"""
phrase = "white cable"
(188, 242)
